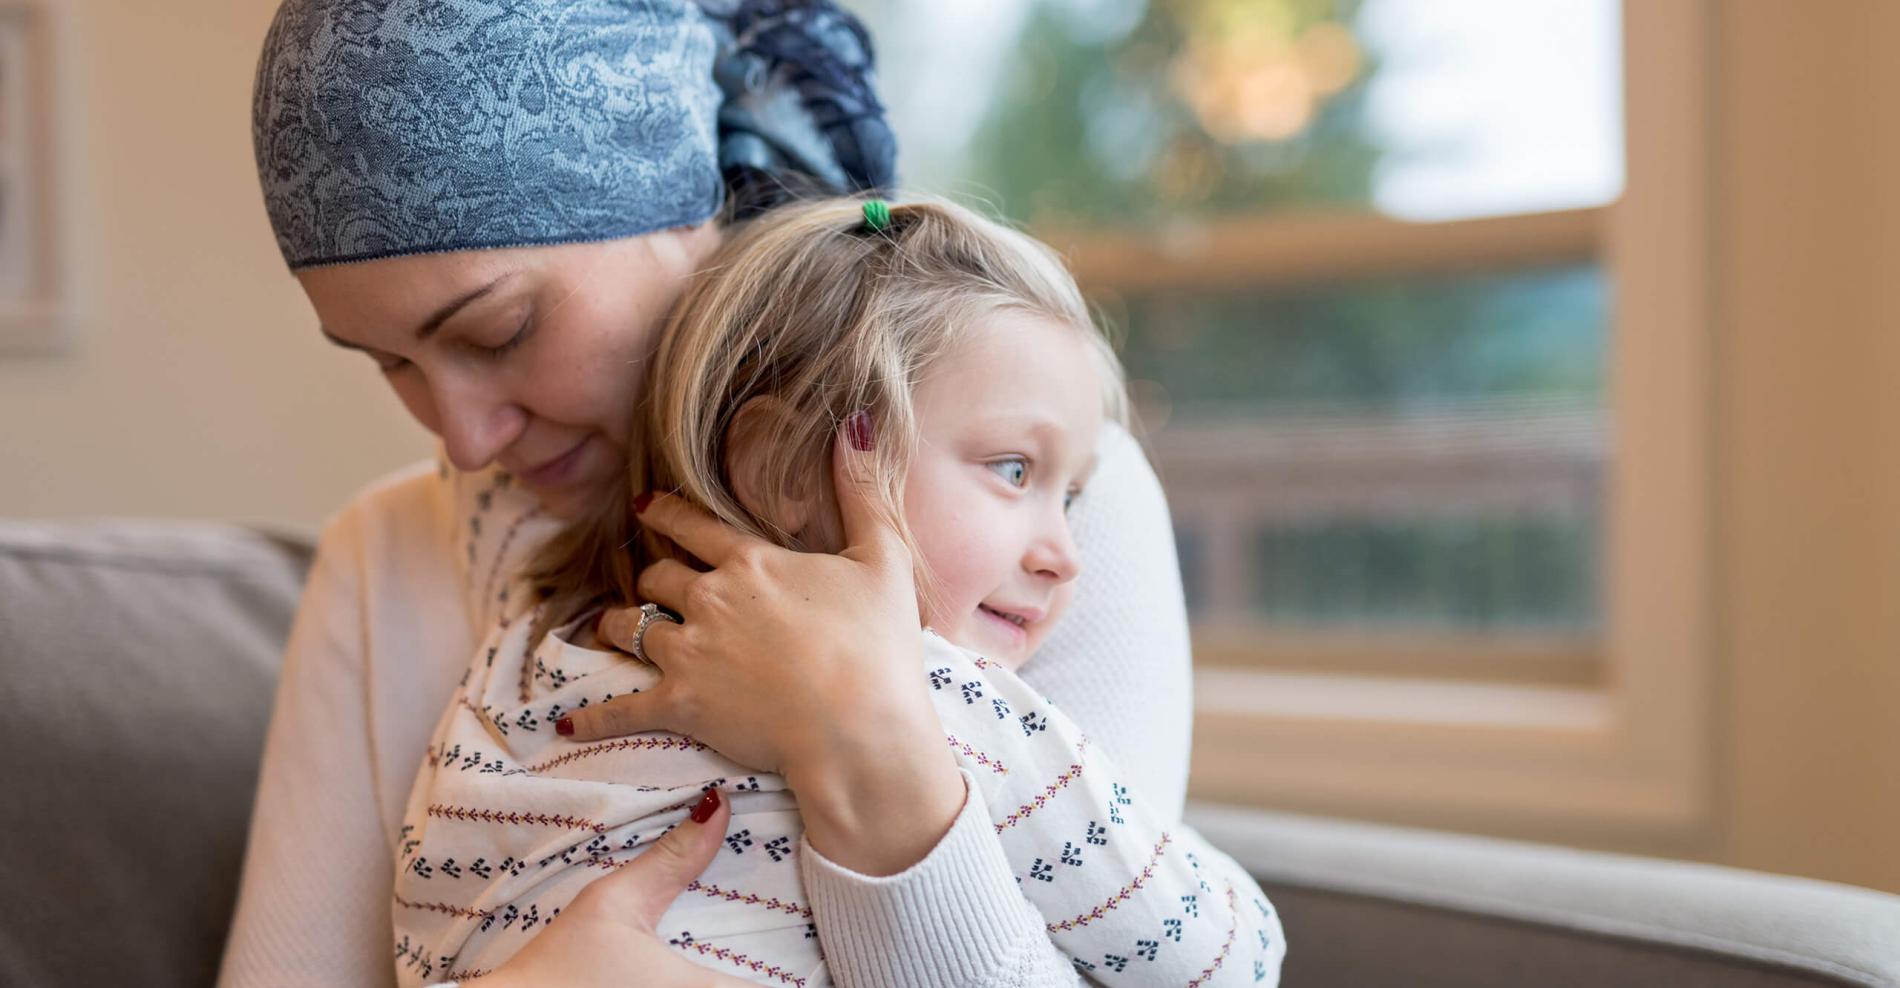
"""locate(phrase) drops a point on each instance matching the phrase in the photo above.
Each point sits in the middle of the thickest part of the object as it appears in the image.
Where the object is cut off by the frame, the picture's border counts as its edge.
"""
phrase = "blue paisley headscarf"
(388, 127)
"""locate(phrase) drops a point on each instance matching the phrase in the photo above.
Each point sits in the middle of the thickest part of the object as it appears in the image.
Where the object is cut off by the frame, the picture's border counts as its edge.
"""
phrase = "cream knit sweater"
(385, 629)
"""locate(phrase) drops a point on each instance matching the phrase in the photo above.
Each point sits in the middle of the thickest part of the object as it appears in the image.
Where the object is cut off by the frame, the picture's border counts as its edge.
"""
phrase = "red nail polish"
(564, 726)
(640, 503)
(858, 428)
(707, 806)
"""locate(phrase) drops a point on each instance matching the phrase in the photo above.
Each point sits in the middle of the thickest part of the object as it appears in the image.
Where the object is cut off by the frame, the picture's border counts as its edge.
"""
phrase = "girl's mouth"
(1013, 625)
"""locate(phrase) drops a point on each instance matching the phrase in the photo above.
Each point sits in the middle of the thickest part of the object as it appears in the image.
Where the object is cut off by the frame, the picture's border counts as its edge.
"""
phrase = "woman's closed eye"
(508, 346)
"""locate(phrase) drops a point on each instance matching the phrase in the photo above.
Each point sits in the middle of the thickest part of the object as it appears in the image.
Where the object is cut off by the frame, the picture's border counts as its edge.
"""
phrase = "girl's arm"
(1125, 891)
(953, 919)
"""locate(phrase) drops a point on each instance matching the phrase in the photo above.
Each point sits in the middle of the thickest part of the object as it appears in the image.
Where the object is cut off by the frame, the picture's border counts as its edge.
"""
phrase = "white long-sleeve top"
(400, 585)
(507, 823)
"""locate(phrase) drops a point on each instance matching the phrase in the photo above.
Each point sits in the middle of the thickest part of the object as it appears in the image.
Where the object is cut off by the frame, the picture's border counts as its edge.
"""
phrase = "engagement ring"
(649, 613)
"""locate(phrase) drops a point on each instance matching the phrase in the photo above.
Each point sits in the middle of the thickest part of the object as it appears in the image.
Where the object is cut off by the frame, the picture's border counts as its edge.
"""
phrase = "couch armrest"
(1368, 905)
(140, 658)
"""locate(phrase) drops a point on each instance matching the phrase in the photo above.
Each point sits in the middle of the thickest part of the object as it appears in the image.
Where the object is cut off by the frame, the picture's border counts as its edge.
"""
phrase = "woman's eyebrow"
(447, 312)
(431, 324)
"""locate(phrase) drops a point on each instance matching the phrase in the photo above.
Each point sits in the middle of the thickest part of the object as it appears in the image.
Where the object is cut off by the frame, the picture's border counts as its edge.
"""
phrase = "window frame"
(1620, 753)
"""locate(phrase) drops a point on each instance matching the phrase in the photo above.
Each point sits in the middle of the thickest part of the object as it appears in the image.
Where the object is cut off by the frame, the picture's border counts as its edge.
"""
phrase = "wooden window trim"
(1251, 252)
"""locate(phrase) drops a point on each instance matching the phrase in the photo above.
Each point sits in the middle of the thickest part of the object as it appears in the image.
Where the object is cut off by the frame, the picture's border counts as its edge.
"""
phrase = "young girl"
(957, 353)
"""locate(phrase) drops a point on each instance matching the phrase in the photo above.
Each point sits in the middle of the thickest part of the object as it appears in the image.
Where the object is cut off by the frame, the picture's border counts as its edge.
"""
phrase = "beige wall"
(196, 385)
(1808, 273)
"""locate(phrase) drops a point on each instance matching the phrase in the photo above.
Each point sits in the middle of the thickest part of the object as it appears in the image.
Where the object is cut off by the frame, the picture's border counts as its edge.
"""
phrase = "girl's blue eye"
(1015, 470)
(1068, 499)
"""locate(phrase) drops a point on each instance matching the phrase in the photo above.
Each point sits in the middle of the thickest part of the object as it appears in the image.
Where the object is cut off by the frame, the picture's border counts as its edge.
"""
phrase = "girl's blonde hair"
(810, 307)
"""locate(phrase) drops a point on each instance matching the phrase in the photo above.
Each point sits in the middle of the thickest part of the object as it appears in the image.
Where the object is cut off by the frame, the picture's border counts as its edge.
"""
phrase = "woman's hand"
(606, 935)
(806, 664)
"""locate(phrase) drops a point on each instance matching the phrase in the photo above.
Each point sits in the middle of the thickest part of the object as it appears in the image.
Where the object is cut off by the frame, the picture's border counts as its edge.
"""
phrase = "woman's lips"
(556, 472)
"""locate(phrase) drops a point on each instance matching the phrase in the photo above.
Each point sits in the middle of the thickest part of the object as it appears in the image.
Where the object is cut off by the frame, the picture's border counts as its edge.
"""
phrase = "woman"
(496, 202)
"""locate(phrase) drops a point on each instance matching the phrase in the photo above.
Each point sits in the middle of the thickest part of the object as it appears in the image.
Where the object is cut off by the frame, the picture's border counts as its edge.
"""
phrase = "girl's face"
(1007, 430)
(529, 358)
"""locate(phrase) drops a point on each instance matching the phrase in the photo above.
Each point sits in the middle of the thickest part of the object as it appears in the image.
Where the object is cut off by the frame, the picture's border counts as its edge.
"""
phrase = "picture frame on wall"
(37, 290)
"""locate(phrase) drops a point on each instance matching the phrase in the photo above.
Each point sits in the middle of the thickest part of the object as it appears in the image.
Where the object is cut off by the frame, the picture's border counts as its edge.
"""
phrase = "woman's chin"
(561, 504)
(577, 496)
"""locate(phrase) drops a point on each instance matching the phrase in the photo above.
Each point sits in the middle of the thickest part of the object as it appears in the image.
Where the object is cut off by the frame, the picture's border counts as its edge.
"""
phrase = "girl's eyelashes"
(1014, 470)
(1068, 498)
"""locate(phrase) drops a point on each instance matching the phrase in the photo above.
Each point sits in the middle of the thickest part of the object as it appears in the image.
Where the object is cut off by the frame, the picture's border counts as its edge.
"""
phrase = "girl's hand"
(806, 664)
(608, 930)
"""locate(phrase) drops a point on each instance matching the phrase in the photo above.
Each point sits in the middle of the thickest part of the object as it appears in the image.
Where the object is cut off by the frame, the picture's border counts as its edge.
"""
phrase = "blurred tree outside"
(1200, 107)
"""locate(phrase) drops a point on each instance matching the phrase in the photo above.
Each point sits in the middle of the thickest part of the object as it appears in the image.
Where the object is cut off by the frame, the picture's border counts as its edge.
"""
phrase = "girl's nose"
(1054, 556)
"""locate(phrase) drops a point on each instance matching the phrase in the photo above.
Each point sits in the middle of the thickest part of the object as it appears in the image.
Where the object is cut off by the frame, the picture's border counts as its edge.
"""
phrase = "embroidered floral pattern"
(387, 127)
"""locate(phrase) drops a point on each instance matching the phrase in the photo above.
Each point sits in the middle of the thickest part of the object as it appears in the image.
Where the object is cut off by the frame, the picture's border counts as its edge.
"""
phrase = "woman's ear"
(754, 429)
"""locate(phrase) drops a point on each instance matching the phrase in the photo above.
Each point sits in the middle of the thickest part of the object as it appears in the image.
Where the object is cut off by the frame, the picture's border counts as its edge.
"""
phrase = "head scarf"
(389, 127)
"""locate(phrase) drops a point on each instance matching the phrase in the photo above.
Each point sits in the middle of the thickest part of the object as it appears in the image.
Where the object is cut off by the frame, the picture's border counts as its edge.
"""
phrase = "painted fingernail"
(858, 427)
(640, 503)
(706, 807)
(564, 726)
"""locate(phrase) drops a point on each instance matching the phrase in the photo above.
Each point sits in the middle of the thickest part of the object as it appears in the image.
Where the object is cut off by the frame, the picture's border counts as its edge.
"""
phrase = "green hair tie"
(877, 215)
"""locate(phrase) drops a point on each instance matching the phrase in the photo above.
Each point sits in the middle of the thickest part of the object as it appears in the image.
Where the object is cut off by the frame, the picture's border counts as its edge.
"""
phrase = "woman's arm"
(313, 907)
(1118, 664)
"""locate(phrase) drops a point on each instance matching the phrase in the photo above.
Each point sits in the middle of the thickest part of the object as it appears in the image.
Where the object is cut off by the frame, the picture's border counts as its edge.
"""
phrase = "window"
(1379, 276)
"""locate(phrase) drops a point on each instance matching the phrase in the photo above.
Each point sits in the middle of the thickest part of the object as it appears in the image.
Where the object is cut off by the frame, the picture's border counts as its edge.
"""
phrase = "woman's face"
(530, 358)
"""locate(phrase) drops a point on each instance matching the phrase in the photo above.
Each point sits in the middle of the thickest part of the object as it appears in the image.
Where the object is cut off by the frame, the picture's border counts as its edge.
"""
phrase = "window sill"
(1553, 762)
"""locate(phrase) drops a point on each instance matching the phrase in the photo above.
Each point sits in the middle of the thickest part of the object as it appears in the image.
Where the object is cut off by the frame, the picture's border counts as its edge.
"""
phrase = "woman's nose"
(475, 426)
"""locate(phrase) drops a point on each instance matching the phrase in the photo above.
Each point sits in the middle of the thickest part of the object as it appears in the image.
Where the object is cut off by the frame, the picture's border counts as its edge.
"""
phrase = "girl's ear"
(758, 423)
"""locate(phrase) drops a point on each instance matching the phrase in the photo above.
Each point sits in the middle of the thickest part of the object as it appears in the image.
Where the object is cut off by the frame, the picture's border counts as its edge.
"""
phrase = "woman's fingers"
(663, 583)
(634, 713)
(868, 532)
(694, 530)
(662, 644)
(617, 627)
(646, 886)
(621, 629)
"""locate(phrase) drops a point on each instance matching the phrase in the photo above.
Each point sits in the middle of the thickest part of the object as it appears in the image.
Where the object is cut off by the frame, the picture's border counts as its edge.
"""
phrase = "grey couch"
(139, 664)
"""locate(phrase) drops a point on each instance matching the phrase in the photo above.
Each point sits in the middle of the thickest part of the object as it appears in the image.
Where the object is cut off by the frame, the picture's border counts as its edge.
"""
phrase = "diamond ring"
(649, 613)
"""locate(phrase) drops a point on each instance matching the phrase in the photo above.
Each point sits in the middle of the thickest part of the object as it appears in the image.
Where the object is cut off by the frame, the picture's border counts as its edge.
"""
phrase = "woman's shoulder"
(401, 507)
(1124, 499)
(427, 527)
(432, 501)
